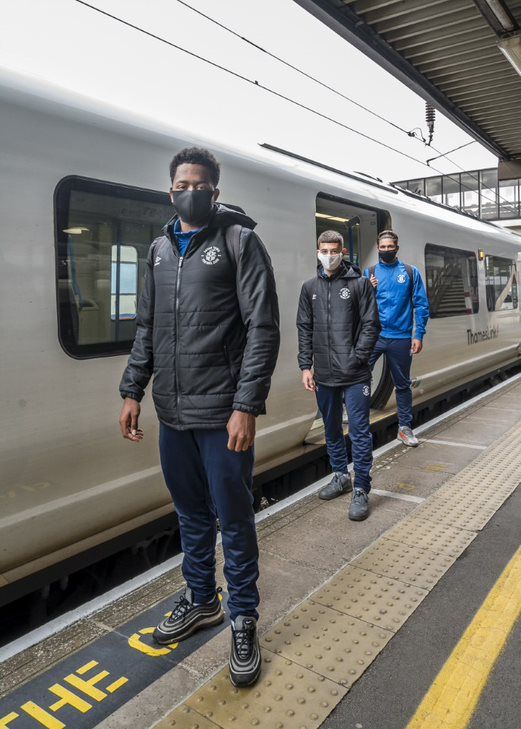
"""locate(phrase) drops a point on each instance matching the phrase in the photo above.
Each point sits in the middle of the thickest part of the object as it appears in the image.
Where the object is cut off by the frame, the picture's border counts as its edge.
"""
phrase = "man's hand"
(373, 280)
(308, 380)
(128, 420)
(416, 346)
(241, 431)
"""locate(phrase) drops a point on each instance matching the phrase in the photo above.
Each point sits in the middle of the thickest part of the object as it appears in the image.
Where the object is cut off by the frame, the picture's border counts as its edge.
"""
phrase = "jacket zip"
(329, 321)
(177, 283)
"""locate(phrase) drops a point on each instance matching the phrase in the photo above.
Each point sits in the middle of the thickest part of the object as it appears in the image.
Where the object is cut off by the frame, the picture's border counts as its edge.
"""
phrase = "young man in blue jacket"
(402, 305)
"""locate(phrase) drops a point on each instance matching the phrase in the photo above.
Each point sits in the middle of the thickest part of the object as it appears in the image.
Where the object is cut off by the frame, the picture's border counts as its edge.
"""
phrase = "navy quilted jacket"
(338, 326)
(207, 326)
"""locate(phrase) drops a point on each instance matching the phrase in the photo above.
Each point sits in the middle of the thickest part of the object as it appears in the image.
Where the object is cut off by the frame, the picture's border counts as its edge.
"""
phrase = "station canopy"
(463, 56)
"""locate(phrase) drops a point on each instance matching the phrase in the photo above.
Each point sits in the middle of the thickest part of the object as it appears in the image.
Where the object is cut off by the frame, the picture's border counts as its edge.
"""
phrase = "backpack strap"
(233, 242)
(410, 273)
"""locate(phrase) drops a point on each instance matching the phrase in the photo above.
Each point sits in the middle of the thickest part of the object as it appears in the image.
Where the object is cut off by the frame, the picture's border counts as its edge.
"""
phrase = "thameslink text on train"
(482, 336)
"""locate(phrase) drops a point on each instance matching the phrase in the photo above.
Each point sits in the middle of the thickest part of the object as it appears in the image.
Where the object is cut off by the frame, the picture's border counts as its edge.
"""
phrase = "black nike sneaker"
(186, 618)
(245, 655)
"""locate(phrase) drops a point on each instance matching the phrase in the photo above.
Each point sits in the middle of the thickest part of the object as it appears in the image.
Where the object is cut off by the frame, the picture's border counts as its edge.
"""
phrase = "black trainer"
(339, 484)
(359, 509)
(245, 655)
(186, 618)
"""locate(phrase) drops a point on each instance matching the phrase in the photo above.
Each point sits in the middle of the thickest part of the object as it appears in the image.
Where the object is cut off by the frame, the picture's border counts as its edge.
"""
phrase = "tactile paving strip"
(494, 474)
(185, 718)
(438, 538)
(328, 642)
(370, 597)
(413, 565)
(340, 629)
(287, 696)
(489, 489)
(465, 512)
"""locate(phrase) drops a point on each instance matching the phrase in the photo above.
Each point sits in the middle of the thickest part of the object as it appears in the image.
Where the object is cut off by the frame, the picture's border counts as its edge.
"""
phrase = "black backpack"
(233, 241)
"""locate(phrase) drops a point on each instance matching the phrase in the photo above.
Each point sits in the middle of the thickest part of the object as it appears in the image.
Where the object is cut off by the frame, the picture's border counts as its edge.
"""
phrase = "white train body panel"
(68, 480)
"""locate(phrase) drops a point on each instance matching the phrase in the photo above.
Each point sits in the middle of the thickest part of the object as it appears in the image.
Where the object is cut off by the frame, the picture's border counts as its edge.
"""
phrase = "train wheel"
(382, 385)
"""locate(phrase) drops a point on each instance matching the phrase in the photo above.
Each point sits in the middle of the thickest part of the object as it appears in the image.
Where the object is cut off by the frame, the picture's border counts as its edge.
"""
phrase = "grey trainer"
(245, 654)
(407, 437)
(359, 509)
(187, 617)
(339, 484)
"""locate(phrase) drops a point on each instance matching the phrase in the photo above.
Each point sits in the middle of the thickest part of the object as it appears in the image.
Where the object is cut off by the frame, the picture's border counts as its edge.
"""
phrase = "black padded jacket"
(338, 326)
(207, 326)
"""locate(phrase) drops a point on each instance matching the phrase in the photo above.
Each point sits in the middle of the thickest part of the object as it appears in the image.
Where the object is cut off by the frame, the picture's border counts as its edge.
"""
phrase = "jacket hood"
(221, 217)
(345, 270)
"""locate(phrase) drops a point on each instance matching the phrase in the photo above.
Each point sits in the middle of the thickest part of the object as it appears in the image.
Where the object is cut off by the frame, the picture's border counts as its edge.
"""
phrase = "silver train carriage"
(80, 203)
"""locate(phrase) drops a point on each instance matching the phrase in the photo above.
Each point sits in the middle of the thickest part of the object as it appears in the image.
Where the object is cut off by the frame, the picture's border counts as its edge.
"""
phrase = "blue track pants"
(207, 481)
(357, 400)
(399, 357)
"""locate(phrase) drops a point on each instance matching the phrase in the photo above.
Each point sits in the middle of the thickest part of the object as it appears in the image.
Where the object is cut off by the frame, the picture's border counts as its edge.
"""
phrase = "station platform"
(395, 622)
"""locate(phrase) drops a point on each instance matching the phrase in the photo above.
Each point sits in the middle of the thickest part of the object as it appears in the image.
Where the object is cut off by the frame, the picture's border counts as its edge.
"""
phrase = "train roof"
(42, 95)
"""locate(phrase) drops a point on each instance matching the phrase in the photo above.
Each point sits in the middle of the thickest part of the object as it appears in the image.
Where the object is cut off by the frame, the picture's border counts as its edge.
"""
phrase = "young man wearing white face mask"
(338, 327)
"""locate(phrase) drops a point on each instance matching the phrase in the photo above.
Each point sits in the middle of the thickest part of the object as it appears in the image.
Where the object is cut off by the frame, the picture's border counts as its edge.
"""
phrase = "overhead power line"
(293, 67)
(250, 81)
(444, 154)
(254, 82)
(430, 111)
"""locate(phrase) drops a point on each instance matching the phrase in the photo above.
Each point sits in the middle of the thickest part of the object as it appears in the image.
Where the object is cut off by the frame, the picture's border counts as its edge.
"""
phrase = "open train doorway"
(359, 226)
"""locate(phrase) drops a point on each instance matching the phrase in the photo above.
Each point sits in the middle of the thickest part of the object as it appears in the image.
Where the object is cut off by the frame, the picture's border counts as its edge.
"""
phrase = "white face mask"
(330, 262)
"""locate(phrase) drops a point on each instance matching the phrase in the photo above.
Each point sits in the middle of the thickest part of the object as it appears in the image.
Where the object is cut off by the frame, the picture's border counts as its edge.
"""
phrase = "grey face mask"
(330, 262)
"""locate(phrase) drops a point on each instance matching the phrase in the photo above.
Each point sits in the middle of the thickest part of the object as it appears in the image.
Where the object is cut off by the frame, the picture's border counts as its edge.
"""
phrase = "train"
(83, 193)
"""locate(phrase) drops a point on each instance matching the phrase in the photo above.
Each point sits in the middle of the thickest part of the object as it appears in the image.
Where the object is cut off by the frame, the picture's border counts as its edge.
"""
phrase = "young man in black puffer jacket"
(338, 327)
(208, 331)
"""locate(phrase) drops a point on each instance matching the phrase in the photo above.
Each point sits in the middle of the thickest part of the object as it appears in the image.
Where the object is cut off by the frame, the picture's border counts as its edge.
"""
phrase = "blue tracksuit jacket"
(398, 307)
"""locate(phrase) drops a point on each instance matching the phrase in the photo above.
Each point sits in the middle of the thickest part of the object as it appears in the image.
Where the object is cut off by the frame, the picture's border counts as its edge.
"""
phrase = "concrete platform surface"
(301, 548)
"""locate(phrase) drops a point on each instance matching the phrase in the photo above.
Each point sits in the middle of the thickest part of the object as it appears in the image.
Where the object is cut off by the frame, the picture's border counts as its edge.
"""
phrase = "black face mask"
(387, 256)
(193, 206)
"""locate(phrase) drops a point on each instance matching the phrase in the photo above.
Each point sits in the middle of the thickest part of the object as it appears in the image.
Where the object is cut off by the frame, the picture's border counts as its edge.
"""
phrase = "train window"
(500, 284)
(103, 233)
(123, 282)
(452, 281)
(358, 225)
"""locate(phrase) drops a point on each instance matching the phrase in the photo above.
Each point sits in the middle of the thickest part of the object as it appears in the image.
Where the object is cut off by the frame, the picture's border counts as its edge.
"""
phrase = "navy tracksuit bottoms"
(207, 481)
(357, 400)
(399, 358)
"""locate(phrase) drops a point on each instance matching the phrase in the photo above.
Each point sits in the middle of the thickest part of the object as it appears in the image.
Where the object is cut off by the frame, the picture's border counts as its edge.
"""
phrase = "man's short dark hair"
(330, 236)
(390, 234)
(196, 156)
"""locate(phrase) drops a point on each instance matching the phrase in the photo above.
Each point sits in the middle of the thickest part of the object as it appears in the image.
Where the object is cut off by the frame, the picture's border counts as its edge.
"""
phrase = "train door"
(359, 226)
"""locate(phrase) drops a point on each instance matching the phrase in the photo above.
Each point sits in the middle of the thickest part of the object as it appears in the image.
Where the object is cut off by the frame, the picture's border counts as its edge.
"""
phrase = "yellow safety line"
(454, 695)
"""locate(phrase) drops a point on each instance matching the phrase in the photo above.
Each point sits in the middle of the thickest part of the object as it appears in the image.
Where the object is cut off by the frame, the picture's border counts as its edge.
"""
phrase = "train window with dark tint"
(501, 284)
(452, 281)
(103, 233)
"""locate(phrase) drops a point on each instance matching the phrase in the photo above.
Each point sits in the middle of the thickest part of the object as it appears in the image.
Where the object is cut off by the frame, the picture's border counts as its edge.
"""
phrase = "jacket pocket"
(229, 364)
